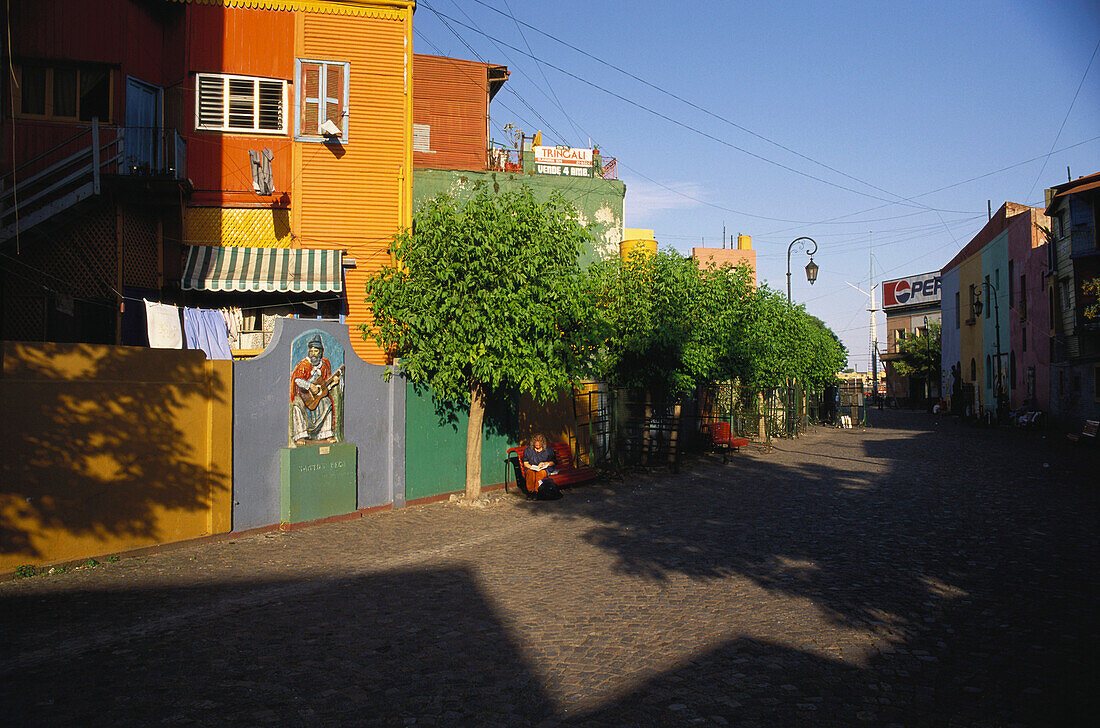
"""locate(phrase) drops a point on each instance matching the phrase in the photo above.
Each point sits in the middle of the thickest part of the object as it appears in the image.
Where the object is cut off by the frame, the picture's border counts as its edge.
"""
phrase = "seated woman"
(538, 462)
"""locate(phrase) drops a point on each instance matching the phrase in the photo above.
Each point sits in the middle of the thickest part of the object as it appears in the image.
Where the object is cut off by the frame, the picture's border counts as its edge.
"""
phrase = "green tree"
(484, 298)
(664, 324)
(920, 355)
(1092, 288)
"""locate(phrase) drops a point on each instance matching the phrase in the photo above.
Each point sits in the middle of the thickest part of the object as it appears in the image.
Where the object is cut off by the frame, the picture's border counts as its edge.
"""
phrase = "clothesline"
(203, 328)
(250, 308)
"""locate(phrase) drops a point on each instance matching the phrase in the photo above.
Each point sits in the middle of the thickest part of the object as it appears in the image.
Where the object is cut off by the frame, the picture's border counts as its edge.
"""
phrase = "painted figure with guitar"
(312, 406)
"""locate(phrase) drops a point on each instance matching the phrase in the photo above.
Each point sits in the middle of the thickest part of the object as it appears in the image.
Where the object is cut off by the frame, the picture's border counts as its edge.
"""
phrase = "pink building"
(1029, 311)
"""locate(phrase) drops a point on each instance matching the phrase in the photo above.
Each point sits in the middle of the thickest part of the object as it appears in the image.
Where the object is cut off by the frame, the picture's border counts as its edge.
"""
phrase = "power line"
(1064, 120)
(697, 107)
(687, 126)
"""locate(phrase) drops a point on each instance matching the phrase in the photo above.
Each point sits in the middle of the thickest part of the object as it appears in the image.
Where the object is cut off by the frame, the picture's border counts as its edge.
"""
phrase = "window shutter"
(334, 94)
(311, 99)
(211, 102)
(271, 105)
(242, 103)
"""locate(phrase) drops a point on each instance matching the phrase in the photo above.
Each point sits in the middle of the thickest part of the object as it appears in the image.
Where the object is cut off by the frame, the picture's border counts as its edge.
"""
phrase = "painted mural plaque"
(316, 390)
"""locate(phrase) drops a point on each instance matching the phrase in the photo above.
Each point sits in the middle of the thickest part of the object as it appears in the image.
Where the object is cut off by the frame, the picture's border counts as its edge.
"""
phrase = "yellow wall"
(107, 449)
(970, 336)
(566, 419)
(358, 196)
(236, 226)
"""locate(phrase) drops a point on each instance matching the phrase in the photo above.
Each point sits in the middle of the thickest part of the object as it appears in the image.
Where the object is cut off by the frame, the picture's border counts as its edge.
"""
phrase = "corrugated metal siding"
(118, 32)
(238, 40)
(34, 137)
(452, 97)
(249, 43)
(218, 163)
(354, 201)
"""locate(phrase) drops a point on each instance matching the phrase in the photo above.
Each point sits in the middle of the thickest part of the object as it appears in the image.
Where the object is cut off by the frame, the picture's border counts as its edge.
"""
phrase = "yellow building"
(325, 167)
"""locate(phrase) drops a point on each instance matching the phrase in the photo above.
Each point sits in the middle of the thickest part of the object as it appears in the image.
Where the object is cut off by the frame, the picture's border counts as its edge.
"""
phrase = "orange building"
(209, 133)
(451, 111)
(331, 117)
(743, 254)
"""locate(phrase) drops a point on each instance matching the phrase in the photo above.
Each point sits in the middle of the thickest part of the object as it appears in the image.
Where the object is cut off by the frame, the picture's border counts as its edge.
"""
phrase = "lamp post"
(811, 267)
(997, 328)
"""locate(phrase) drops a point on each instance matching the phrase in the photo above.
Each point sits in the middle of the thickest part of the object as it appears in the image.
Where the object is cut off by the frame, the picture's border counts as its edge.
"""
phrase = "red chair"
(721, 436)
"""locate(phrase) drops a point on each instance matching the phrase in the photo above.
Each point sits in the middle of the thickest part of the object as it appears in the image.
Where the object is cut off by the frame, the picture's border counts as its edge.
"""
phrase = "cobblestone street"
(915, 573)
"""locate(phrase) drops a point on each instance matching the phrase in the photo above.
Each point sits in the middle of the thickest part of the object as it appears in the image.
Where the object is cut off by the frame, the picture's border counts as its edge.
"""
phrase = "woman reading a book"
(538, 462)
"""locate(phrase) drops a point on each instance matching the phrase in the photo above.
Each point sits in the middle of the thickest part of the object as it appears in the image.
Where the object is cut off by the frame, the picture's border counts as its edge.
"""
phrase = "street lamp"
(997, 327)
(811, 267)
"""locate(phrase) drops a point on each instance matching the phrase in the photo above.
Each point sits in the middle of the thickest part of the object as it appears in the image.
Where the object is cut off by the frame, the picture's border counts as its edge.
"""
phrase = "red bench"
(568, 474)
(1088, 432)
(722, 437)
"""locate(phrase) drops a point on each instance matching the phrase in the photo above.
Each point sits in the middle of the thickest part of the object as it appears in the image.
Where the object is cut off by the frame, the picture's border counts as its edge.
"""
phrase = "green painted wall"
(435, 450)
(599, 202)
(317, 481)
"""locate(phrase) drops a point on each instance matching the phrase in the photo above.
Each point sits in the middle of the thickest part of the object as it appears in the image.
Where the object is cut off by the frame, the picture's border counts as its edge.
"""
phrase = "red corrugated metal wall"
(126, 35)
(451, 96)
(249, 43)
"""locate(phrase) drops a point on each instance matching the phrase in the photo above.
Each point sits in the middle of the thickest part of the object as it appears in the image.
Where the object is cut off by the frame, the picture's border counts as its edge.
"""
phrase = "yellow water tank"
(744, 242)
(637, 239)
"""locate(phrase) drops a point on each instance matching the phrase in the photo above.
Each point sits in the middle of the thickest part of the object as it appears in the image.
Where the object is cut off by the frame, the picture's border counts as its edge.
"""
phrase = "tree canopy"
(485, 297)
(919, 356)
(668, 325)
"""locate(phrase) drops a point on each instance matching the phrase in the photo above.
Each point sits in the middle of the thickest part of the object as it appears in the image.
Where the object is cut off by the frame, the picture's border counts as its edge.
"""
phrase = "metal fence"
(618, 427)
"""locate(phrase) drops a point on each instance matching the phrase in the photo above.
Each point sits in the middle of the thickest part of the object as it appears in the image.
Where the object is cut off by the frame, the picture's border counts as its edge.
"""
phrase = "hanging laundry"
(263, 181)
(163, 321)
(205, 329)
(233, 323)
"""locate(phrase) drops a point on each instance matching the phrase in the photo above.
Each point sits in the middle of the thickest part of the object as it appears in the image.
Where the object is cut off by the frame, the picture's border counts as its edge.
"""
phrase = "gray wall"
(374, 421)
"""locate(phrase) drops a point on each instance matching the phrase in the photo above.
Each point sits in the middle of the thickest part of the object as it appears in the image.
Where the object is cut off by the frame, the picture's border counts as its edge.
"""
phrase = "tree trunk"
(473, 441)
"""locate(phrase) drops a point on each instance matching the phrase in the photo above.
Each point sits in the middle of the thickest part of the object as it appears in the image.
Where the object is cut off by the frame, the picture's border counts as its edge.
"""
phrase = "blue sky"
(879, 130)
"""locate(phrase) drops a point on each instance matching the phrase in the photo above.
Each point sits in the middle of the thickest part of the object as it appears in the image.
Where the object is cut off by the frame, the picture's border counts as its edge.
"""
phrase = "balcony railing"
(153, 151)
(505, 160)
(72, 171)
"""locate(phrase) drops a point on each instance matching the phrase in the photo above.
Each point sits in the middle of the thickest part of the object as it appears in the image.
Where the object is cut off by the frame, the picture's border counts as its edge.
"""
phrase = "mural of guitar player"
(316, 391)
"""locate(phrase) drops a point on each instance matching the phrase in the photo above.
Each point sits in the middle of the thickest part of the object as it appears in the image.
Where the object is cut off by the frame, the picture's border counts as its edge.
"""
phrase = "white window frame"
(315, 136)
(226, 78)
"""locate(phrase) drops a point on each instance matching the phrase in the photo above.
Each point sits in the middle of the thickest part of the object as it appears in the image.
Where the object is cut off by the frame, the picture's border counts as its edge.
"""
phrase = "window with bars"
(320, 96)
(240, 104)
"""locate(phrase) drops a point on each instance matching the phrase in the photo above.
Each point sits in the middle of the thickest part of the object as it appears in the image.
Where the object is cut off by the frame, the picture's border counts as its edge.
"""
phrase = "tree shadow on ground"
(427, 647)
(103, 441)
(896, 598)
(966, 551)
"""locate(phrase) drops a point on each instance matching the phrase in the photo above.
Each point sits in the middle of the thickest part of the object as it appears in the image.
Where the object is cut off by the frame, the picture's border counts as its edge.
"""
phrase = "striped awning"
(263, 270)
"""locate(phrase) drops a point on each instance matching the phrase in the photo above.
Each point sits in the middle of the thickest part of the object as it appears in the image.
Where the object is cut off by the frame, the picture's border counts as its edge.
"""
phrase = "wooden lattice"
(84, 255)
(229, 226)
(24, 316)
(139, 246)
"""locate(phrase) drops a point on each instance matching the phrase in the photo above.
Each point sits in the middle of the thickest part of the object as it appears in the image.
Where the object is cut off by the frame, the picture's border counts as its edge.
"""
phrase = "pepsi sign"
(915, 290)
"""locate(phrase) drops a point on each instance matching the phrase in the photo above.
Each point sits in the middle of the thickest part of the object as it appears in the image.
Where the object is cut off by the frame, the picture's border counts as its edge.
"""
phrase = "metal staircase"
(40, 188)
